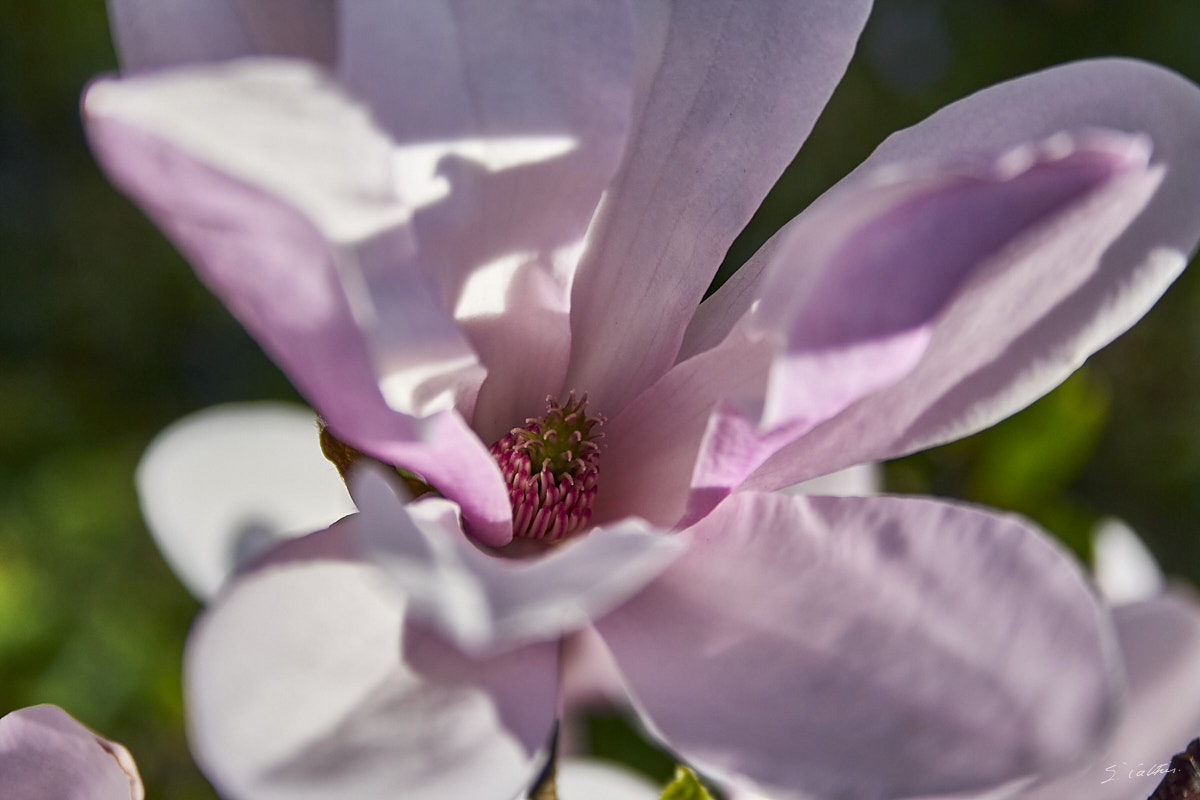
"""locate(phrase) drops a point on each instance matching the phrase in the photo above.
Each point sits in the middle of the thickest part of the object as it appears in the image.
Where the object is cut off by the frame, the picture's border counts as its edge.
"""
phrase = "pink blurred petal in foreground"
(45, 753)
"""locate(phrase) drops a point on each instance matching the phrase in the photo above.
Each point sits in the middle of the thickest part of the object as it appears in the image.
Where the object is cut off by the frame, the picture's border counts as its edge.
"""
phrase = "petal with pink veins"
(45, 753)
(163, 33)
(727, 93)
(306, 680)
(219, 487)
(926, 647)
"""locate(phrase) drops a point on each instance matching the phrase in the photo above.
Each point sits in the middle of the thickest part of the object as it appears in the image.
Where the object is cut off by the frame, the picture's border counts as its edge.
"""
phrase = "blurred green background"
(105, 337)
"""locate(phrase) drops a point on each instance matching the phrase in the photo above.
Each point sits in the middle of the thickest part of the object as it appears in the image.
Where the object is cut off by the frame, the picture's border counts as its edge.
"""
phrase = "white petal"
(305, 681)
(1125, 569)
(220, 486)
(592, 779)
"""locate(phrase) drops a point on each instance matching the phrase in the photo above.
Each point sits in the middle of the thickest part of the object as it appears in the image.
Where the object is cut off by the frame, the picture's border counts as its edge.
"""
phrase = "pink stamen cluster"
(550, 466)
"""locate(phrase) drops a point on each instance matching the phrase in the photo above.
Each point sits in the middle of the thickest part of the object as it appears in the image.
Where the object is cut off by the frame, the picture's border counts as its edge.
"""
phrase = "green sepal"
(685, 786)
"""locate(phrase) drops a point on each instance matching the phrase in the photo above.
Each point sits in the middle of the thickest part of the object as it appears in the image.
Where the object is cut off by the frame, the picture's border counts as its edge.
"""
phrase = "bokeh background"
(106, 337)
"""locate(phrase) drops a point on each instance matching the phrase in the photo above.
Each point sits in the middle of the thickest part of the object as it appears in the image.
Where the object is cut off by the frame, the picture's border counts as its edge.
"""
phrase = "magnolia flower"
(45, 753)
(435, 216)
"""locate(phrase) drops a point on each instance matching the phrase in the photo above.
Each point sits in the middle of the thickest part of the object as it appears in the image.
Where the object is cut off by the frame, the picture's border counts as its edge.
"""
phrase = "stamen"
(555, 502)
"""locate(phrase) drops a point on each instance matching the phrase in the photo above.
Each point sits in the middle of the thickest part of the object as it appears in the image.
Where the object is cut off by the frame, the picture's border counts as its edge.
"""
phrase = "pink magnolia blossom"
(434, 216)
(45, 753)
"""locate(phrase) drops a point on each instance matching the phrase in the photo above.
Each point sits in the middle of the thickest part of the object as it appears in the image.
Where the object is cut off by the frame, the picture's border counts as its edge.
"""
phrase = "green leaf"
(685, 786)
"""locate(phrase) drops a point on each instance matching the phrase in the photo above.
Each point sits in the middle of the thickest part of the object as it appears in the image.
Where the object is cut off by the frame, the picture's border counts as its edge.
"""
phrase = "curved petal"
(868, 647)
(275, 204)
(219, 487)
(858, 294)
(164, 33)
(526, 106)
(728, 92)
(45, 753)
(305, 681)
(1160, 642)
(867, 317)
(483, 602)
(985, 361)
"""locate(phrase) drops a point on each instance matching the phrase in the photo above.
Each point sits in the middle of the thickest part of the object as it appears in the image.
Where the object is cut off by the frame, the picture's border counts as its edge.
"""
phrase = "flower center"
(551, 466)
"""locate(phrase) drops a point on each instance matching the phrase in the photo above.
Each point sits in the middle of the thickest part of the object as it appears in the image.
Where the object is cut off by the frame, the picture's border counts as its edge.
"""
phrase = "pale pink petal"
(220, 486)
(164, 33)
(1160, 641)
(483, 602)
(275, 204)
(525, 107)
(1008, 341)
(651, 448)
(44, 754)
(728, 92)
(1124, 568)
(868, 647)
(866, 318)
(854, 297)
(305, 681)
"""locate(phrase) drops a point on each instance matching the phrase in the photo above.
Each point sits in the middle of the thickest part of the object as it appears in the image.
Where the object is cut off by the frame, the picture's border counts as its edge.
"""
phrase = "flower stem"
(546, 786)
